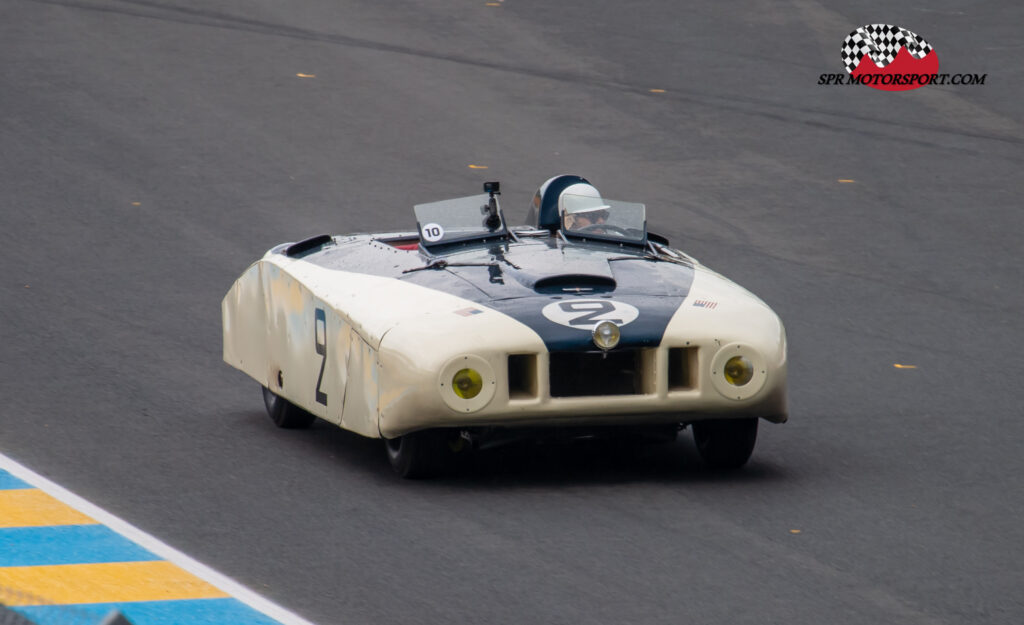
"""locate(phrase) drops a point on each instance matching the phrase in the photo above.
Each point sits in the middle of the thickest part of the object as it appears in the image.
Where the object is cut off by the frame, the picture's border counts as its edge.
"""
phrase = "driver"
(580, 206)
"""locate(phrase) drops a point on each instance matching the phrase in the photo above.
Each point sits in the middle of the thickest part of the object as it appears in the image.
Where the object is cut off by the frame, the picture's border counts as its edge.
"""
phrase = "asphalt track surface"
(150, 150)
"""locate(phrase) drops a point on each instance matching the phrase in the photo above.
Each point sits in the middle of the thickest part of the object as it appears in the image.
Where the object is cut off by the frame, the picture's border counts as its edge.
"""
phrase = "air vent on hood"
(298, 250)
(574, 283)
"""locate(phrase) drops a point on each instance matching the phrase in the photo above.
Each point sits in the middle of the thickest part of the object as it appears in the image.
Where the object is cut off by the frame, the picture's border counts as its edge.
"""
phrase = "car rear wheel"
(285, 414)
(725, 443)
(423, 454)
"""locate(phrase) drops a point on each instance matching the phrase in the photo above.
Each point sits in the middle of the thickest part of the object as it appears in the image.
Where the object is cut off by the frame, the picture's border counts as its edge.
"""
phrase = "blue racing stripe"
(67, 544)
(187, 612)
(9, 482)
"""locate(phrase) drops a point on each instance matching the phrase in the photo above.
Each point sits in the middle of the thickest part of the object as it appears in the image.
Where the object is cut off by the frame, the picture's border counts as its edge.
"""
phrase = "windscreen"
(600, 218)
(461, 219)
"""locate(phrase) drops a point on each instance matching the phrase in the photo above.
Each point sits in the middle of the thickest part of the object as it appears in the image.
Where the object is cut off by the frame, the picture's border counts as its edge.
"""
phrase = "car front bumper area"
(666, 384)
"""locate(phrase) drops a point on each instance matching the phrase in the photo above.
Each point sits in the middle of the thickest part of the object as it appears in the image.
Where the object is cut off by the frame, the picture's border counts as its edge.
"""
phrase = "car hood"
(558, 289)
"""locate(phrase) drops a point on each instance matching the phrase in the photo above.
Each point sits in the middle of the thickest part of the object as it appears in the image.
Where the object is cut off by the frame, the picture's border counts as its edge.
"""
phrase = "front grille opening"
(619, 372)
(682, 368)
(522, 376)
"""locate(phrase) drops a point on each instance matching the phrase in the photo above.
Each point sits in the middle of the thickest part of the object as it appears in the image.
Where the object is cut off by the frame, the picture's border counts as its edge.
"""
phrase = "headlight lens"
(467, 383)
(738, 370)
(606, 335)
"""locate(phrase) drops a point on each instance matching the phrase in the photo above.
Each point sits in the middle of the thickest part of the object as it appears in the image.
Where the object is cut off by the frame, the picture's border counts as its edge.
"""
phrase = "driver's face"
(582, 220)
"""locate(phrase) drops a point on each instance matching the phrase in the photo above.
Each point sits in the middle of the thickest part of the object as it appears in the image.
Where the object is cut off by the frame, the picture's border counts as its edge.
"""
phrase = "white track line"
(158, 547)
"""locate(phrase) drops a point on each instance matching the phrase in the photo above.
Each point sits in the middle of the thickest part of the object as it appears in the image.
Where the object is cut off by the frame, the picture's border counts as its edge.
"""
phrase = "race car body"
(467, 327)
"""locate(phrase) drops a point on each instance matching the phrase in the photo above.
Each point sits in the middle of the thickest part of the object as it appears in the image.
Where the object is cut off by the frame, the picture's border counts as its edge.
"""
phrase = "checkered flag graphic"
(881, 42)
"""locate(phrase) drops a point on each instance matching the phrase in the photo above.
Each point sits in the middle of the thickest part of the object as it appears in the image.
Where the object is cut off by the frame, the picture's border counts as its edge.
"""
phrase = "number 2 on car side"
(320, 338)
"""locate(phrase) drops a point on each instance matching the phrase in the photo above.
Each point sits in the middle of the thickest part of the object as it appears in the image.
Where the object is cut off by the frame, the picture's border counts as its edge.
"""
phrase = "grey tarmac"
(151, 149)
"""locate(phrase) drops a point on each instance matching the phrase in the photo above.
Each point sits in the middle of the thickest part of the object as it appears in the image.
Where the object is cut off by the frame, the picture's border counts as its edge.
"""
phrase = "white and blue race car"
(468, 332)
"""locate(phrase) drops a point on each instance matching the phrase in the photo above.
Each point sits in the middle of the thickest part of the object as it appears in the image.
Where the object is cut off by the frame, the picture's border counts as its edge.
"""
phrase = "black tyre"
(285, 414)
(423, 454)
(725, 443)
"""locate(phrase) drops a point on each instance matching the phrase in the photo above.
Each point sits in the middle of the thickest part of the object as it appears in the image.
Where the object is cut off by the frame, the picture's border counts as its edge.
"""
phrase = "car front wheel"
(427, 453)
(725, 443)
(285, 414)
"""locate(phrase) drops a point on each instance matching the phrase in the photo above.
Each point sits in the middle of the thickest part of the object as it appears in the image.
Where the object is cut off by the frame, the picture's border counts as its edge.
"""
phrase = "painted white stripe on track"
(158, 547)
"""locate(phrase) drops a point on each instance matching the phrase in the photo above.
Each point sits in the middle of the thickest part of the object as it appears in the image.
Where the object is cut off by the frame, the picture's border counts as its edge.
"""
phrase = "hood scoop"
(575, 283)
(557, 271)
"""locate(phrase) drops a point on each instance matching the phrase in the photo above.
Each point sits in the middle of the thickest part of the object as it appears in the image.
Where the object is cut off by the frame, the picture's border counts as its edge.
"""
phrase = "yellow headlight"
(467, 383)
(738, 370)
(606, 335)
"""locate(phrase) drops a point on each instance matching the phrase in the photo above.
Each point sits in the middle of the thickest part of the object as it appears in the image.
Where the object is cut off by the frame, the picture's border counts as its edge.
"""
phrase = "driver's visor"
(591, 217)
